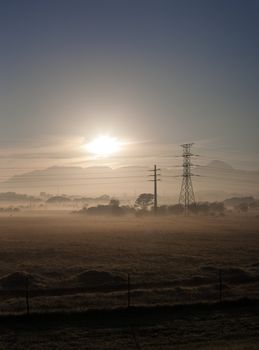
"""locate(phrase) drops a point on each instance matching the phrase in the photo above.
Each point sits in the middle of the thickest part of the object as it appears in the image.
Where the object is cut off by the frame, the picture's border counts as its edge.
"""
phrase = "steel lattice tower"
(187, 195)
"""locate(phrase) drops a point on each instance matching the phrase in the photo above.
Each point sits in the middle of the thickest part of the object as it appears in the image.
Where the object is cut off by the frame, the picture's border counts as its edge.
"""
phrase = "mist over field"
(129, 175)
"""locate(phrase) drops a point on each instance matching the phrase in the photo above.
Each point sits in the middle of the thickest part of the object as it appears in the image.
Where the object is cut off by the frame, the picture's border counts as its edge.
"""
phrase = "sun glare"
(103, 146)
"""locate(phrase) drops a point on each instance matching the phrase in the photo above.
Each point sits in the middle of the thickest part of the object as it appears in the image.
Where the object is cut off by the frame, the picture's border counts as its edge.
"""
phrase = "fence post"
(220, 286)
(129, 296)
(27, 295)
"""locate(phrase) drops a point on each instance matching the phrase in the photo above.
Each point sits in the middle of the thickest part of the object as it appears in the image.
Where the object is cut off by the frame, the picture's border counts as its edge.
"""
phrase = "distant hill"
(217, 181)
(219, 164)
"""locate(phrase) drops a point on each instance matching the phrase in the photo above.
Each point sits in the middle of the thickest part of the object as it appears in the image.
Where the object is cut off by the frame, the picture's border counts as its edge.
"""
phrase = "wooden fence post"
(129, 287)
(27, 296)
(220, 285)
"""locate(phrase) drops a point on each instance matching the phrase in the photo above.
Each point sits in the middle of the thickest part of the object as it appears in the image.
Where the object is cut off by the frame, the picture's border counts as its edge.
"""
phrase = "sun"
(104, 146)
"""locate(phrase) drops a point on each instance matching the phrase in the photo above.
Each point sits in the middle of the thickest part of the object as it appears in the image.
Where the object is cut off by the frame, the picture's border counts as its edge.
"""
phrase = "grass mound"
(97, 278)
(18, 280)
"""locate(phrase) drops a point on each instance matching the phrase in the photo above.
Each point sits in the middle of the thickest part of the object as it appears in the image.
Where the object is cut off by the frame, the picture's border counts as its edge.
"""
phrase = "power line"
(21, 179)
(14, 186)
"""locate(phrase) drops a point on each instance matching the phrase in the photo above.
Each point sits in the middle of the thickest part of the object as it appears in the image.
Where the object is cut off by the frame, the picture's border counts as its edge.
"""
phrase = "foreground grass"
(230, 326)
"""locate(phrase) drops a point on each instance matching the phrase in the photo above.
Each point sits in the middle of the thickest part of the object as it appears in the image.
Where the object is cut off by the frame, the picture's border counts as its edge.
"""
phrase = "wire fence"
(216, 287)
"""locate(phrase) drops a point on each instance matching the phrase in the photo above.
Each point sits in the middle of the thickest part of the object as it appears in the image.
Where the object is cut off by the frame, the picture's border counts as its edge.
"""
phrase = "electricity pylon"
(155, 179)
(187, 197)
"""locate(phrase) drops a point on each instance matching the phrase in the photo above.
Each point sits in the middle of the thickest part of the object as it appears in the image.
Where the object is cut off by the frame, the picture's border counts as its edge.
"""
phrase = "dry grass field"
(79, 263)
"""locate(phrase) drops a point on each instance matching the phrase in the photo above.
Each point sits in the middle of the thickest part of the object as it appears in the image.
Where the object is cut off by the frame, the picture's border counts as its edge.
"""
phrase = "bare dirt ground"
(170, 260)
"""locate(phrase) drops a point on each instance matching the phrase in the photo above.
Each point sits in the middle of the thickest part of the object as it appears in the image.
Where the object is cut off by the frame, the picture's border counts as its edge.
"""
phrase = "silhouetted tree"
(242, 207)
(144, 201)
(162, 210)
(206, 208)
(175, 209)
(217, 207)
(115, 203)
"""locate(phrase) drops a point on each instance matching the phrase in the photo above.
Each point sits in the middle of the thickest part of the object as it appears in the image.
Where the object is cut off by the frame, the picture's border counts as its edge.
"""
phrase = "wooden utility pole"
(155, 179)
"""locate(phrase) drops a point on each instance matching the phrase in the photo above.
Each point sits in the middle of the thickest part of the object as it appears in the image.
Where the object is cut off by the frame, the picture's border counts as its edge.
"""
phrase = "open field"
(79, 263)
(170, 260)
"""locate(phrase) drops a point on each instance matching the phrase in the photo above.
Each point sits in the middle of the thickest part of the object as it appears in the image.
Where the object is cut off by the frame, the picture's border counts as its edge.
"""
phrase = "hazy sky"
(164, 71)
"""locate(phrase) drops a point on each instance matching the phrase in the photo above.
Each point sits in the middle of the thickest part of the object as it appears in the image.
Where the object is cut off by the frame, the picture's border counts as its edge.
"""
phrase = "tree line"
(144, 205)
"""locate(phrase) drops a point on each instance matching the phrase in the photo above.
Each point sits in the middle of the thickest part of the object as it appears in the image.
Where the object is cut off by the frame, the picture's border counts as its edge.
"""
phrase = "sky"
(154, 73)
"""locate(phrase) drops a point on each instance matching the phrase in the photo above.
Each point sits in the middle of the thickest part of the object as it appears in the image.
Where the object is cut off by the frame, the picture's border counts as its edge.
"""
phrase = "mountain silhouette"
(217, 180)
(219, 164)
